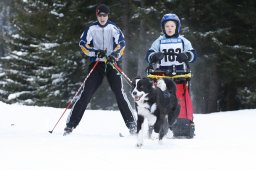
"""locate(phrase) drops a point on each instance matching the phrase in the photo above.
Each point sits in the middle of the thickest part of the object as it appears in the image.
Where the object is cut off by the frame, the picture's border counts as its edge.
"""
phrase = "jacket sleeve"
(188, 48)
(86, 43)
(155, 47)
(119, 42)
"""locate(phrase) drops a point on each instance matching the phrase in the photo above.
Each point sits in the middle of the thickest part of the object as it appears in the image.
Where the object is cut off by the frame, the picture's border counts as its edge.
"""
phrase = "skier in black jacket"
(102, 38)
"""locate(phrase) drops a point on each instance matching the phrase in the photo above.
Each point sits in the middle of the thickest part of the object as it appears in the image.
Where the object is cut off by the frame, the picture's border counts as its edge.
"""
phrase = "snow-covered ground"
(223, 141)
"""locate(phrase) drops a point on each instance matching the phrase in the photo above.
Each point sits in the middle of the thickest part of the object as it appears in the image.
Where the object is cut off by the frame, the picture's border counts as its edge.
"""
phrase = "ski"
(66, 133)
(67, 130)
(121, 135)
(125, 134)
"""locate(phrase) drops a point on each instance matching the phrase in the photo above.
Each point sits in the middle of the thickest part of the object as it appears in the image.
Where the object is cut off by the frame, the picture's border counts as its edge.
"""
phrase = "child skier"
(171, 53)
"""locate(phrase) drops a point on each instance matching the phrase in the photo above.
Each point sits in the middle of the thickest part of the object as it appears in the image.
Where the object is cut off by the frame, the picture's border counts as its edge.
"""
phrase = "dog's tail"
(173, 115)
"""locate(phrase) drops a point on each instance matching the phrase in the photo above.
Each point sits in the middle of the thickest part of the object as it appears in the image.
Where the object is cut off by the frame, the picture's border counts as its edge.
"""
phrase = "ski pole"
(121, 72)
(50, 131)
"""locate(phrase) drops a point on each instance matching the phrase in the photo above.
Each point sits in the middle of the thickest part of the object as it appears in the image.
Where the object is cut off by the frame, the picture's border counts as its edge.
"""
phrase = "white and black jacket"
(107, 37)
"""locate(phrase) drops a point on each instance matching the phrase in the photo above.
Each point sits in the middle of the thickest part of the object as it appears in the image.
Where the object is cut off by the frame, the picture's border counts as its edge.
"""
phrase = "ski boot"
(67, 130)
(133, 129)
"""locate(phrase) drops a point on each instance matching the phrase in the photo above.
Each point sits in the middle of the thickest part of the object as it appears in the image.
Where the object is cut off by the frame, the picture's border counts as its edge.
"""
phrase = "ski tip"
(121, 135)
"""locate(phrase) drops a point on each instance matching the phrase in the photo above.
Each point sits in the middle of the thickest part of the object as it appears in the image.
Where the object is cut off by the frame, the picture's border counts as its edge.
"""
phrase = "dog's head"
(141, 87)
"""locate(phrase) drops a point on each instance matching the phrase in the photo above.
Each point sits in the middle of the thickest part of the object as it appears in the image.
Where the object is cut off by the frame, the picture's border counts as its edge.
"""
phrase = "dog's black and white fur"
(156, 102)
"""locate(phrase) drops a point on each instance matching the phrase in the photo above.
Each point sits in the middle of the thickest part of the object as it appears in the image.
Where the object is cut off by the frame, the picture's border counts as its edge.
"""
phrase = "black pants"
(90, 87)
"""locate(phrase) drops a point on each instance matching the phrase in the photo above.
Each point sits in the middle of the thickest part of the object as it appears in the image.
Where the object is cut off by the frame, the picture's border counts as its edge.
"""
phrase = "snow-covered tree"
(5, 28)
(44, 61)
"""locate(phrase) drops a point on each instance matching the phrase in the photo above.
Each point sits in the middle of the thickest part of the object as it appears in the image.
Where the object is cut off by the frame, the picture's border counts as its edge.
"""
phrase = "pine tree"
(45, 59)
(223, 34)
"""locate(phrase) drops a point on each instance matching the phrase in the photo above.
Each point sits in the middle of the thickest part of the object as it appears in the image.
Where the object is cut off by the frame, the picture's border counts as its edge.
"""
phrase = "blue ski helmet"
(171, 17)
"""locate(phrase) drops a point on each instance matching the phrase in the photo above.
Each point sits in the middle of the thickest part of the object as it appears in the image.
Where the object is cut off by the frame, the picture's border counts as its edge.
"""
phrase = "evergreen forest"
(41, 63)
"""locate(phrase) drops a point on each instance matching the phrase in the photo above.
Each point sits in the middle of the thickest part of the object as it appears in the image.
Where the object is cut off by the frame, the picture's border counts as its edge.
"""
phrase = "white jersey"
(170, 47)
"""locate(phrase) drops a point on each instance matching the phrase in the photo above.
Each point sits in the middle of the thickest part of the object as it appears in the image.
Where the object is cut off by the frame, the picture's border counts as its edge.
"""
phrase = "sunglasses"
(102, 15)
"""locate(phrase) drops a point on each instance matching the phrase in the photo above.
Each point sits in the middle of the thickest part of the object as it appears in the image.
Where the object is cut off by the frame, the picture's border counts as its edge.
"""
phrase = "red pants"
(186, 108)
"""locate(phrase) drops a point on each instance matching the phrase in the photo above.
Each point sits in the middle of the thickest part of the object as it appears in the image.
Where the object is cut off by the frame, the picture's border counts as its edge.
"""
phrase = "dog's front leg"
(151, 121)
(150, 131)
(140, 123)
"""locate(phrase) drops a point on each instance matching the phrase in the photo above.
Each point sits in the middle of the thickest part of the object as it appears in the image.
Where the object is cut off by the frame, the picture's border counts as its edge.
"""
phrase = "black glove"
(113, 57)
(183, 57)
(156, 57)
(100, 53)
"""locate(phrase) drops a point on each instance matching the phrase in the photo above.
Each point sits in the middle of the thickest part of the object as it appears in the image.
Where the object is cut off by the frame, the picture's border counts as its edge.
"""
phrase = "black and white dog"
(156, 102)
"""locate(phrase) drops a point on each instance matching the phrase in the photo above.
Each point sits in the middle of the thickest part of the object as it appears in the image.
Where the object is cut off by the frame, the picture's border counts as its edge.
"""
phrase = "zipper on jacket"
(103, 38)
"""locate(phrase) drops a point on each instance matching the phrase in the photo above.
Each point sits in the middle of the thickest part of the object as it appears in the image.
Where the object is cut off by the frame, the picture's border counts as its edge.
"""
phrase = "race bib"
(170, 47)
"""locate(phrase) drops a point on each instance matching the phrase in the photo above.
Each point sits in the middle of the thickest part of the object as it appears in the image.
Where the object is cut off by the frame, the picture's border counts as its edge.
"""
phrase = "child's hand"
(183, 57)
(156, 57)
